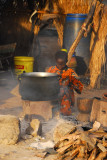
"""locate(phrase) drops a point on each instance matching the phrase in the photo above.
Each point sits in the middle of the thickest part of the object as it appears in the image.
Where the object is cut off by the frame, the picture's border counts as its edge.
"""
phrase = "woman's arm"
(76, 83)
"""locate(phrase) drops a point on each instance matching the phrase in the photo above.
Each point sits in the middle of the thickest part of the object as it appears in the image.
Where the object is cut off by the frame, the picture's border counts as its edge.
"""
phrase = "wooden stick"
(68, 136)
(63, 149)
(82, 152)
(71, 139)
(72, 153)
(93, 154)
(72, 130)
(101, 156)
(101, 147)
(80, 159)
(81, 32)
(73, 136)
(97, 134)
(86, 139)
(104, 144)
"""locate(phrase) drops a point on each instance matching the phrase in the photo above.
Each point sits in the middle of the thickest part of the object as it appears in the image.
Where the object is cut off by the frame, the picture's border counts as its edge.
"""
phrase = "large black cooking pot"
(39, 86)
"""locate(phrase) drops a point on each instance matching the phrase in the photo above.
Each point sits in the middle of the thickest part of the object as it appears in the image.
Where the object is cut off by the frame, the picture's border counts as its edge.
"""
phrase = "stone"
(43, 109)
(99, 112)
(9, 129)
(61, 130)
(84, 105)
(35, 128)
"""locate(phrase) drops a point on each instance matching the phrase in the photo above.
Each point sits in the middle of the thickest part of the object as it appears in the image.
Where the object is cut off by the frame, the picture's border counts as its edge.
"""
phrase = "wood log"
(96, 140)
(73, 143)
(77, 143)
(101, 147)
(71, 140)
(68, 158)
(82, 152)
(93, 154)
(72, 153)
(81, 32)
(59, 157)
(86, 139)
(101, 156)
(72, 130)
(97, 134)
(80, 158)
(66, 137)
(62, 144)
(64, 148)
(73, 136)
(105, 143)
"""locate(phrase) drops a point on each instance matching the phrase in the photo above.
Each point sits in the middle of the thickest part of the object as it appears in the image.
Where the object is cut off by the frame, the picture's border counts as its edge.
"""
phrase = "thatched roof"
(69, 6)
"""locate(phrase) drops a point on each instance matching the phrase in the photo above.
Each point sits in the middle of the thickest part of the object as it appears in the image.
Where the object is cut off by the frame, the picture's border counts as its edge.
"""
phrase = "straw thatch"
(65, 7)
(97, 46)
(59, 24)
(69, 6)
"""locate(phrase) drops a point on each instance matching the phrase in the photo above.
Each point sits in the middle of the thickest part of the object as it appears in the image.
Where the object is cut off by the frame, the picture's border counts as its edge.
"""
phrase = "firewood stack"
(82, 145)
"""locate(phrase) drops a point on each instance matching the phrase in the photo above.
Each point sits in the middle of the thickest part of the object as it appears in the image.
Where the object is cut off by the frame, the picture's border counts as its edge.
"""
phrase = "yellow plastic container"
(22, 64)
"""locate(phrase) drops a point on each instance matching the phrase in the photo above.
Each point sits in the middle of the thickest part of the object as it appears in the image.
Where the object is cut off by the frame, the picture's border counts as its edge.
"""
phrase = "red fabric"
(68, 81)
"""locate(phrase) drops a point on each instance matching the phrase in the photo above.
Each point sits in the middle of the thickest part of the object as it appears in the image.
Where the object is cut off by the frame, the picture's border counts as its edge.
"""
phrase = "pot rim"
(39, 74)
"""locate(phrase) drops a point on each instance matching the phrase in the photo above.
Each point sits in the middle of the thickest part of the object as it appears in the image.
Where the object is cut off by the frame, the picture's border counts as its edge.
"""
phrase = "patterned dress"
(68, 83)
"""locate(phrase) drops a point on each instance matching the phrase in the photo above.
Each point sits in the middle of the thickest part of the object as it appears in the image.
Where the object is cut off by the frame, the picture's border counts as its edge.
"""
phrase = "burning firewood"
(104, 143)
(101, 156)
(93, 154)
(82, 152)
(82, 145)
(101, 147)
(72, 153)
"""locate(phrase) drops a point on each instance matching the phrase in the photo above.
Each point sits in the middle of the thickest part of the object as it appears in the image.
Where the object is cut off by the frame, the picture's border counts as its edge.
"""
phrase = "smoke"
(7, 83)
(43, 49)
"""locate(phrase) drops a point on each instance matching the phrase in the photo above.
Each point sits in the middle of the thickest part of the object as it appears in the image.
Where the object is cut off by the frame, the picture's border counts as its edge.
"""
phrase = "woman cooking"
(68, 82)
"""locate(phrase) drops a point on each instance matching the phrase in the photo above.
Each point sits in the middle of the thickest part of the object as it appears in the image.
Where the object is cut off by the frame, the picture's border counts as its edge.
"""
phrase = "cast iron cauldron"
(39, 86)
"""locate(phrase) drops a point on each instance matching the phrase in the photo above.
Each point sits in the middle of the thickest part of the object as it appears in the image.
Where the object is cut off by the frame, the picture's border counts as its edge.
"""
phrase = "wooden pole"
(82, 30)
